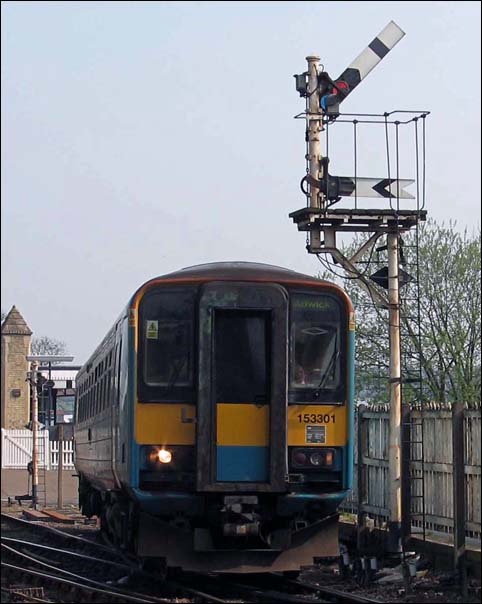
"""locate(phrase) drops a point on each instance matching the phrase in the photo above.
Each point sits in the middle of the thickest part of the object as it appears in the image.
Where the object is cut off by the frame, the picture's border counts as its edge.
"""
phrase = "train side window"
(104, 391)
(119, 356)
(109, 387)
(97, 397)
(99, 401)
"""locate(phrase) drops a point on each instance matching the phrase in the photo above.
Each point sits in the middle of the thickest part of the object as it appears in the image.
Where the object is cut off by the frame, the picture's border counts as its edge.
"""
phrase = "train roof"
(237, 270)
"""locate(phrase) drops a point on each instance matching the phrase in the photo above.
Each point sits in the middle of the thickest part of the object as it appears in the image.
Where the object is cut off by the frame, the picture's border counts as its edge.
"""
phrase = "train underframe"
(218, 532)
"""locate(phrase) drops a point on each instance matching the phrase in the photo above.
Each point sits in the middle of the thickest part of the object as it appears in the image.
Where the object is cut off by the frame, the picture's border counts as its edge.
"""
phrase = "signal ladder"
(412, 440)
(42, 467)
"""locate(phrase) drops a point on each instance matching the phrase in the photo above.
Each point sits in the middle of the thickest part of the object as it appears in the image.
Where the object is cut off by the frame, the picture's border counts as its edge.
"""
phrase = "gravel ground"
(388, 586)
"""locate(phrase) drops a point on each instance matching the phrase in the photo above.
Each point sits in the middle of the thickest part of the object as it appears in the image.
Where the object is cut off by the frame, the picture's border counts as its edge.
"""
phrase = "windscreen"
(316, 343)
(166, 338)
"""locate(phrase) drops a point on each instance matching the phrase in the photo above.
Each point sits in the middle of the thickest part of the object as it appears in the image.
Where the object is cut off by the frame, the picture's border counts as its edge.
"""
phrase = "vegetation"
(449, 340)
(48, 346)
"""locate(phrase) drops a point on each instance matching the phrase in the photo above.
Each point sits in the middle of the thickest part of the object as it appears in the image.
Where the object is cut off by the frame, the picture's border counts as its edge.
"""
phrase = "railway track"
(271, 587)
(75, 568)
(38, 562)
(51, 565)
(42, 533)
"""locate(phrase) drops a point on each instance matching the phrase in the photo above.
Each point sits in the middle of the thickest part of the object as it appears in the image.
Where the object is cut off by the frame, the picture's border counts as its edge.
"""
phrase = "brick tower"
(15, 396)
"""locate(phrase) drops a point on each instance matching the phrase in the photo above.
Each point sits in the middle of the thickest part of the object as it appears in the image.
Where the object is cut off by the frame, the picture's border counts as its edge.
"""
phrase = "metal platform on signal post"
(356, 220)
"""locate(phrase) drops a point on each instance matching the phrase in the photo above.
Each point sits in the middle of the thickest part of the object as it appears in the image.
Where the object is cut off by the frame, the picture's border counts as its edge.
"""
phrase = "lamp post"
(34, 361)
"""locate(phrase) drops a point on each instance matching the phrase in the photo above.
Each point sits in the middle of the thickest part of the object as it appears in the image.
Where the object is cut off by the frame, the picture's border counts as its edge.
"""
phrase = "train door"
(117, 407)
(241, 418)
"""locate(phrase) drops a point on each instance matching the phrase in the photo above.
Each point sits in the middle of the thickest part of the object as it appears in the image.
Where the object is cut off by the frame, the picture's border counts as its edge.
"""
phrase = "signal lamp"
(164, 456)
(301, 82)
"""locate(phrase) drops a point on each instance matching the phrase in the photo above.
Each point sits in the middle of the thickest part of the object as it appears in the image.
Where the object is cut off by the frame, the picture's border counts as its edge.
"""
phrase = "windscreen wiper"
(175, 374)
(331, 365)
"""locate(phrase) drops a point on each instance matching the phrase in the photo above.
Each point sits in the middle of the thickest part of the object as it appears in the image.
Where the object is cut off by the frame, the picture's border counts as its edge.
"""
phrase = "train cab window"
(166, 348)
(317, 343)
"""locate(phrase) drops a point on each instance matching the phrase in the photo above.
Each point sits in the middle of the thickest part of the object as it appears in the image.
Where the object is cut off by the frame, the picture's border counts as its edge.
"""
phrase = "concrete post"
(394, 452)
(33, 386)
(314, 127)
(60, 467)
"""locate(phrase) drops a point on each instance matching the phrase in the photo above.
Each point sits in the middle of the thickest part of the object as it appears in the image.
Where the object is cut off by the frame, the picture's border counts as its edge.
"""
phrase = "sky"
(142, 137)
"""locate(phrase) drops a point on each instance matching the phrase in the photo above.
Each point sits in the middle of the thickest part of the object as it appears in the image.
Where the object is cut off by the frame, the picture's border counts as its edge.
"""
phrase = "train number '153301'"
(316, 418)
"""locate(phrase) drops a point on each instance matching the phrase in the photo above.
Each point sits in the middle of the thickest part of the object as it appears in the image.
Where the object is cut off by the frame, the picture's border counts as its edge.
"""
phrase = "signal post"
(34, 365)
(33, 388)
(323, 222)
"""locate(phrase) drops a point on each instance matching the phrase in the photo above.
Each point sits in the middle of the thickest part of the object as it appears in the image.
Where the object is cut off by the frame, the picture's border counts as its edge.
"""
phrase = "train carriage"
(214, 423)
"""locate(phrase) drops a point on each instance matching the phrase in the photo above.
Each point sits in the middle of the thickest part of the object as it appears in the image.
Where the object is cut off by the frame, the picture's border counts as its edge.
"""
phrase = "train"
(214, 422)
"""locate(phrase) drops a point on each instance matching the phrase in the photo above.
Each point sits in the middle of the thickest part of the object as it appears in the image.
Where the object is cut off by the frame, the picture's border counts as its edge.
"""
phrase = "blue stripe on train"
(243, 464)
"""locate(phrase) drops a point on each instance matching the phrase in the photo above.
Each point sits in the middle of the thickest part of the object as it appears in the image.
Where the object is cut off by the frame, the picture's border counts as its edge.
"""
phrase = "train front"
(243, 418)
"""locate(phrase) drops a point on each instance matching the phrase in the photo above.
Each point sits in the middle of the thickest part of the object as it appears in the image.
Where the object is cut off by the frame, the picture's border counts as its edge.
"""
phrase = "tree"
(446, 336)
(450, 306)
(48, 346)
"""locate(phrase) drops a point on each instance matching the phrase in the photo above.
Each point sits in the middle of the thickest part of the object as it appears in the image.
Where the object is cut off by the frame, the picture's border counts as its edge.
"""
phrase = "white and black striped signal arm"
(336, 187)
(332, 93)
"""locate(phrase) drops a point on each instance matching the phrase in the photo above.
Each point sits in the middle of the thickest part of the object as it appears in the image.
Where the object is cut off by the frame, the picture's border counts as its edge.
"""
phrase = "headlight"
(164, 456)
(299, 457)
(167, 458)
(316, 459)
(312, 458)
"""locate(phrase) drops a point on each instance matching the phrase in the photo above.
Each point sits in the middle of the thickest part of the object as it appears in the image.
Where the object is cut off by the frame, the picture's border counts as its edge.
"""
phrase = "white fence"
(17, 450)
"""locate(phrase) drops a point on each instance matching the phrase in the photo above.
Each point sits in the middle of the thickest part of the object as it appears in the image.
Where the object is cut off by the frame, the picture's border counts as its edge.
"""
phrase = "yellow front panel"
(333, 417)
(165, 424)
(242, 424)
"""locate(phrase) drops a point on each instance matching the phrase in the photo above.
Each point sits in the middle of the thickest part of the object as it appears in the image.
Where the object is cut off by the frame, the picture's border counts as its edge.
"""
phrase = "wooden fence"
(436, 467)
